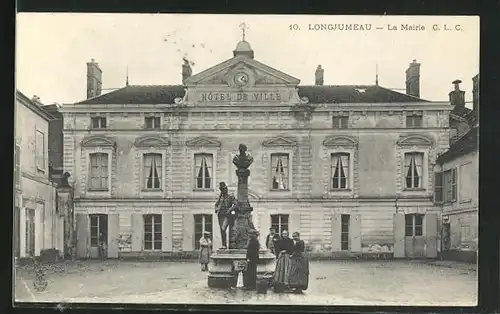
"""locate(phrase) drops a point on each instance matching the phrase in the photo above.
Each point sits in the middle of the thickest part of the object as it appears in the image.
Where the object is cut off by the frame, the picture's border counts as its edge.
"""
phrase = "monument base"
(225, 265)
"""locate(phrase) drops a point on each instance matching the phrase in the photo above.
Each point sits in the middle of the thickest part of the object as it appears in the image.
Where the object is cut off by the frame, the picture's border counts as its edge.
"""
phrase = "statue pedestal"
(225, 266)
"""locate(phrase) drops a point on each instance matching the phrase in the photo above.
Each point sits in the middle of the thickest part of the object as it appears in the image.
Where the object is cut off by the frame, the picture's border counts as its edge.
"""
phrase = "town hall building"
(349, 167)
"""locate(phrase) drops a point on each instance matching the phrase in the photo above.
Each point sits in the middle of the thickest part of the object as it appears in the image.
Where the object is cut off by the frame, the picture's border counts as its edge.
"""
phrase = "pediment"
(279, 141)
(258, 73)
(339, 140)
(98, 141)
(151, 141)
(204, 141)
(414, 140)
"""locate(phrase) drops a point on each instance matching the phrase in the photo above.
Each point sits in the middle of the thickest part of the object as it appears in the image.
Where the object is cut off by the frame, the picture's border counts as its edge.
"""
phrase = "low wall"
(459, 256)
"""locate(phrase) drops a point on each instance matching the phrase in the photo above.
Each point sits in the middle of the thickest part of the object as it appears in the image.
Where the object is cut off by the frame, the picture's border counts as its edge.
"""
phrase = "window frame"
(450, 185)
(156, 122)
(413, 118)
(413, 217)
(344, 232)
(196, 171)
(288, 175)
(279, 226)
(89, 181)
(40, 160)
(206, 219)
(100, 120)
(156, 219)
(144, 175)
(341, 119)
(348, 185)
(423, 175)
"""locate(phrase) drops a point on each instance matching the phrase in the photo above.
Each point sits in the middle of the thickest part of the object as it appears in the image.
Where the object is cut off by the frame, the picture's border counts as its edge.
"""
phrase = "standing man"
(250, 273)
(271, 240)
(225, 210)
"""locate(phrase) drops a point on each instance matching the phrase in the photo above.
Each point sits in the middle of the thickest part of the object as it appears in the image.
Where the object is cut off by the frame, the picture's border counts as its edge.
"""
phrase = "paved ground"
(331, 283)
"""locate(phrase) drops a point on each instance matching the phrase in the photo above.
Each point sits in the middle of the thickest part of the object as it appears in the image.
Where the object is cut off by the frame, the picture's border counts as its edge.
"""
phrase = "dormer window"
(98, 122)
(152, 123)
(340, 122)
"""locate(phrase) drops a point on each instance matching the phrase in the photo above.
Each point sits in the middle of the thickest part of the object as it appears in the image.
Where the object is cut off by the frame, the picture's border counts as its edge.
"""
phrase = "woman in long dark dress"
(284, 248)
(299, 266)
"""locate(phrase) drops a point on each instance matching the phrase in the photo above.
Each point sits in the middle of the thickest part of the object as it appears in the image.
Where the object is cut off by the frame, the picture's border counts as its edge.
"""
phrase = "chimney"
(186, 70)
(319, 75)
(94, 79)
(457, 97)
(413, 79)
(475, 93)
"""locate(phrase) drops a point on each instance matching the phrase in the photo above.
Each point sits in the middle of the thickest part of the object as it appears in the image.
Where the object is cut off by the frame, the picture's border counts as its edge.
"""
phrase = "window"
(414, 121)
(203, 170)
(152, 171)
(40, 150)
(445, 186)
(340, 171)
(17, 165)
(152, 232)
(98, 229)
(98, 122)
(344, 233)
(413, 170)
(202, 223)
(280, 223)
(99, 174)
(30, 232)
(414, 225)
(279, 171)
(152, 122)
(17, 232)
(340, 122)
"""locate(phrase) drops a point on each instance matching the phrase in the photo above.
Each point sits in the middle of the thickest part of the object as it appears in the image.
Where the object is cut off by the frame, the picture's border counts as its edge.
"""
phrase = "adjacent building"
(457, 182)
(349, 167)
(37, 224)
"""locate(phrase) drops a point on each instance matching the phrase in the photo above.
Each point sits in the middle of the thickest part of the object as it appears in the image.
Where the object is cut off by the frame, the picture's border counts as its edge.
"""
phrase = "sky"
(52, 49)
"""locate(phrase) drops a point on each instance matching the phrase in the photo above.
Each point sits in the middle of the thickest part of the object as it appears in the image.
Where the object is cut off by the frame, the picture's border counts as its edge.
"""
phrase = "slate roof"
(461, 111)
(165, 94)
(466, 144)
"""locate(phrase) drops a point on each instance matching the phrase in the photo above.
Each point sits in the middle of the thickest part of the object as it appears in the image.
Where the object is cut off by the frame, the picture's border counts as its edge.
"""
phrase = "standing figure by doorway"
(225, 210)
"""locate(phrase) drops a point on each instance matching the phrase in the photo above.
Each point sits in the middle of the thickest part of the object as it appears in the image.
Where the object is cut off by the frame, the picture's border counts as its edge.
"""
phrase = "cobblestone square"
(331, 283)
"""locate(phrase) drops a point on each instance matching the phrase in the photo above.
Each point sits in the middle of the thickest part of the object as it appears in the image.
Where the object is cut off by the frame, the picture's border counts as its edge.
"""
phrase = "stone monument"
(226, 263)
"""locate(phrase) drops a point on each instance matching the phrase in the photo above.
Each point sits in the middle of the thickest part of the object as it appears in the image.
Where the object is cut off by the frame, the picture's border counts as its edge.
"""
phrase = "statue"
(225, 211)
(64, 180)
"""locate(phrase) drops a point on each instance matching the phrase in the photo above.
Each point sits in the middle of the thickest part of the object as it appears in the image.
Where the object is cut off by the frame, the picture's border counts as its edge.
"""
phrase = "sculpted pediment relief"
(98, 141)
(256, 73)
(204, 141)
(151, 141)
(340, 140)
(279, 141)
(414, 140)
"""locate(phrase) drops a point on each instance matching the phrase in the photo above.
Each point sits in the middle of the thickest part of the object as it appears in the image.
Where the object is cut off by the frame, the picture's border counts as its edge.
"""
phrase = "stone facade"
(37, 224)
(279, 121)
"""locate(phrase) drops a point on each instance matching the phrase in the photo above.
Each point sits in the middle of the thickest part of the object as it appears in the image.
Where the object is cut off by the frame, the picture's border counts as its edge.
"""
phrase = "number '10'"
(294, 27)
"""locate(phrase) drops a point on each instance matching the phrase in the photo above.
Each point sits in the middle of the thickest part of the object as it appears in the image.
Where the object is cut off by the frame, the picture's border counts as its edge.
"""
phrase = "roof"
(33, 106)
(460, 111)
(466, 144)
(165, 94)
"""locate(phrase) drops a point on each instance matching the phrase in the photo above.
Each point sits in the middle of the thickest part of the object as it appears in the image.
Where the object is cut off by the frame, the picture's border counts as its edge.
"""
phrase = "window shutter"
(166, 231)
(294, 224)
(399, 235)
(188, 235)
(82, 235)
(137, 230)
(431, 235)
(113, 231)
(454, 184)
(355, 233)
(336, 232)
(438, 187)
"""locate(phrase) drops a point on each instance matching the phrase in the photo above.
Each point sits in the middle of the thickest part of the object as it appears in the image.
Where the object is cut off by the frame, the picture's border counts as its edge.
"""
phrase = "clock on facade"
(241, 79)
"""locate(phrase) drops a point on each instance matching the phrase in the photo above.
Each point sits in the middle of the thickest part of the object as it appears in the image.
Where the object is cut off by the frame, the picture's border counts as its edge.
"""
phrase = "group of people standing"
(292, 265)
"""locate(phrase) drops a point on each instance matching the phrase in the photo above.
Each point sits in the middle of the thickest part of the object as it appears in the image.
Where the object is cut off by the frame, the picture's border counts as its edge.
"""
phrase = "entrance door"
(446, 236)
(414, 238)
(30, 232)
(98, 233)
